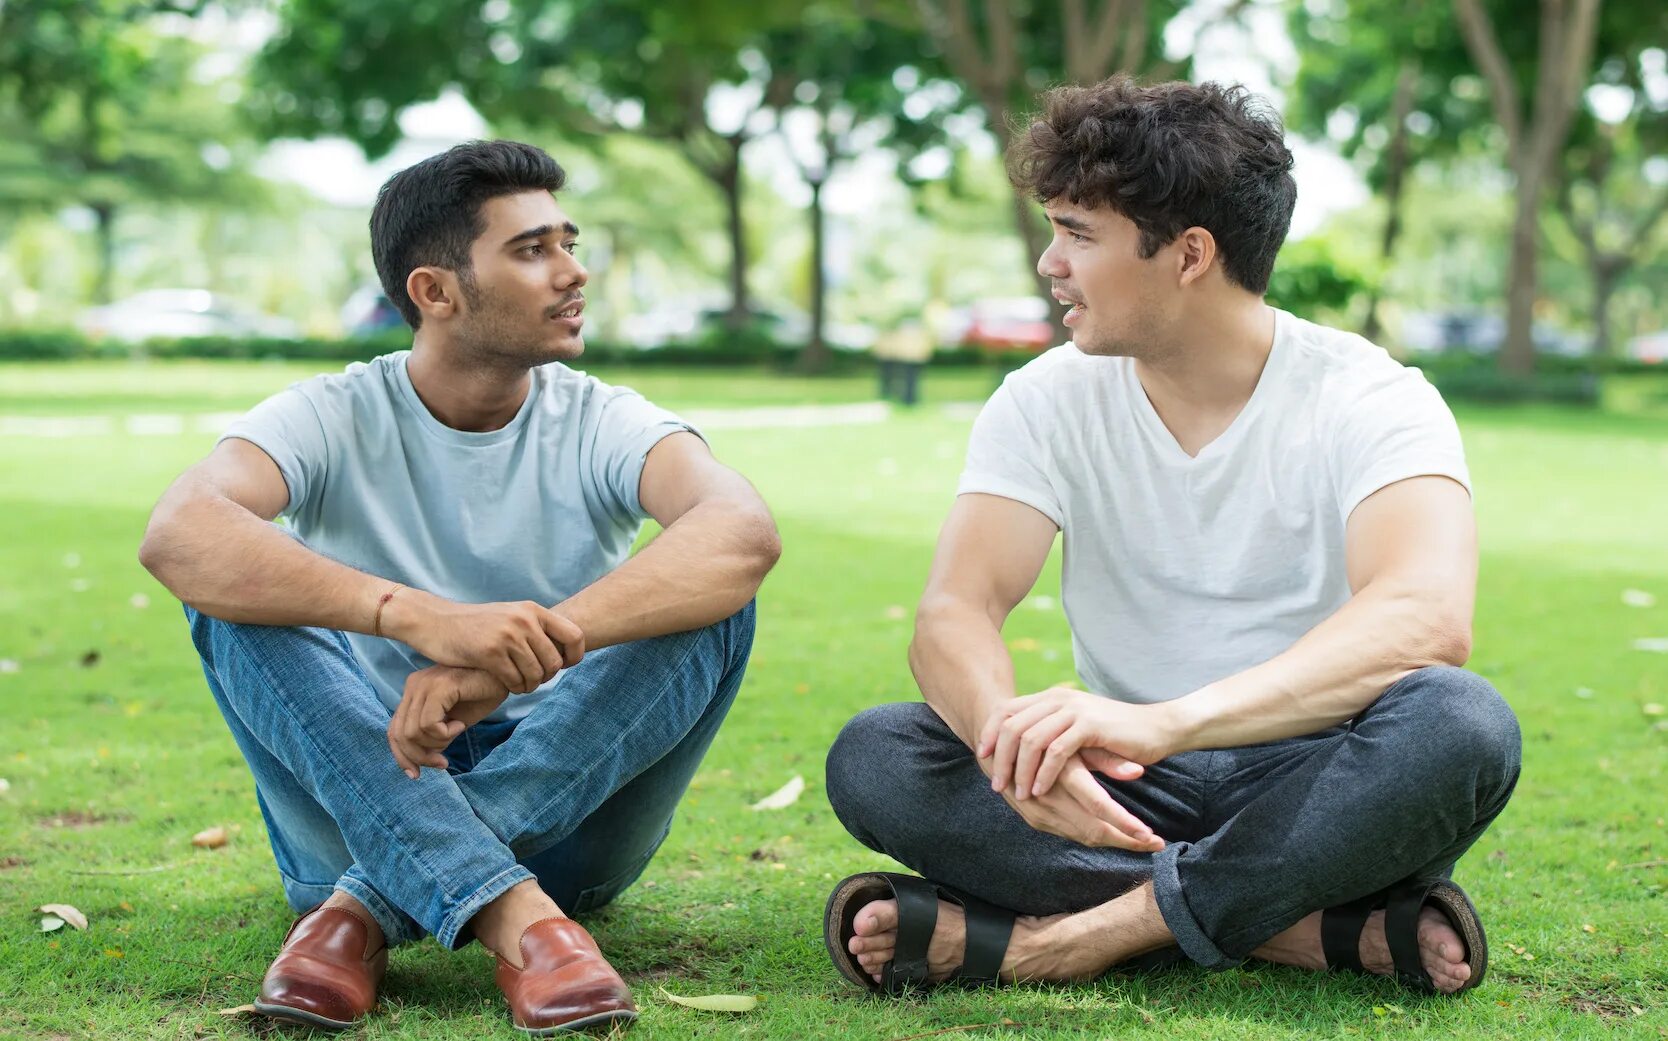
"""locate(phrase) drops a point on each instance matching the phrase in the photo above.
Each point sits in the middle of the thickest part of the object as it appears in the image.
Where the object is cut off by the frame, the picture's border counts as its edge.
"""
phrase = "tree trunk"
(1606, 269)
(1036, 240)
(816, 356)
(1517, 354)
(105, 231)
(1395, 170)
(729, 181)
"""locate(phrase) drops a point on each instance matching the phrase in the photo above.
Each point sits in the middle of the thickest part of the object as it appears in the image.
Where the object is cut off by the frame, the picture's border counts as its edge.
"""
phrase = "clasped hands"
(483, 653)
(1042, 751)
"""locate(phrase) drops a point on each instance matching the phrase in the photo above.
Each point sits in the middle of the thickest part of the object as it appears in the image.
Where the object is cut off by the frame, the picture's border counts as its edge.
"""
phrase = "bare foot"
(1440, 948)
(1039, 949)
(499, 925)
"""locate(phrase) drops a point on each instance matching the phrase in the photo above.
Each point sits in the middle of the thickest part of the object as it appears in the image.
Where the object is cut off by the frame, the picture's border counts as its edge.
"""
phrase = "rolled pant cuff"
(459, 916)
(396, 928)
(1172, 904)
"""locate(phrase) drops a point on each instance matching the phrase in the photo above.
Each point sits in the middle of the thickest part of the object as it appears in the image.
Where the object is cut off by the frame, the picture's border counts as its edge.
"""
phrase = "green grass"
(115, 761)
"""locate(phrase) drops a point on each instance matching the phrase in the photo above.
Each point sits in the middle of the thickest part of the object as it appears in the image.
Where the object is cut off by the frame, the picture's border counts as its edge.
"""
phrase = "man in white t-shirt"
(1269, 573)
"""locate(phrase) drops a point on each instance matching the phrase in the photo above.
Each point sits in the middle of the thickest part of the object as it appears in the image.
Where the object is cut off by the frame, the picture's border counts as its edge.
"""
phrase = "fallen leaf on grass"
(1638, 598)
(1656, 644)
(715, 1002)
(9, 665)
(139, 600)
(90, 659)
(1651, 709)
(51, 923)
(5, 786)
(210, 838)
(66, 912)
(897, 613)
(237, 1010)
(782, 797)
(1589, 928)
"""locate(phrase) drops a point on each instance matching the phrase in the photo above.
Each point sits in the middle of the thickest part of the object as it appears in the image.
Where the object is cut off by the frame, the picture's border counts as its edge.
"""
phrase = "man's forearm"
(219, 558)
(1331, 674)
(961, 665)
(701, 570)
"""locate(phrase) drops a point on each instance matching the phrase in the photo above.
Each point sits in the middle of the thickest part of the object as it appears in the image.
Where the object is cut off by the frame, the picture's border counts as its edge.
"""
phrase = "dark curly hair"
(1169, 157)
(429, 214)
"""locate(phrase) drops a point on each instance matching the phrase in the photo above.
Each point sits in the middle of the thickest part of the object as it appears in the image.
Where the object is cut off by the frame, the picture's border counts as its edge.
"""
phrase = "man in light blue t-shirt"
(439, 501)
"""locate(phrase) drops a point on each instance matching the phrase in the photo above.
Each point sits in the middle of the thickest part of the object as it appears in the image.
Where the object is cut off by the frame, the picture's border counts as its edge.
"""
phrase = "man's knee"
(1464, 721)
(868, 761)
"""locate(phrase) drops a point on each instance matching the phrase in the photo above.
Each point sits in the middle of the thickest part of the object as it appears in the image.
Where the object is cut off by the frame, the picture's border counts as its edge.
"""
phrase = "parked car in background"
(1651, 348)
(180, 314)
(368, 312)
(1480, 332)
(1019, 323)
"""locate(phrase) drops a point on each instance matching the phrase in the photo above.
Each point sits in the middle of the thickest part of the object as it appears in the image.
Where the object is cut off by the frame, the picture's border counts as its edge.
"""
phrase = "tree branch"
(1484, 45)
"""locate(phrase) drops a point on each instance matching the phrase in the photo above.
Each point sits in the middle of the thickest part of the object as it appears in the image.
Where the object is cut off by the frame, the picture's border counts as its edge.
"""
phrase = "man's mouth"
(1075, 307)
(572, 310)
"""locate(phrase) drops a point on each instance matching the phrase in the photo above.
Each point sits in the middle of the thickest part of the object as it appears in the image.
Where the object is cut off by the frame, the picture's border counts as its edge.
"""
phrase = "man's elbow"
(759, 541)
(1450, 642)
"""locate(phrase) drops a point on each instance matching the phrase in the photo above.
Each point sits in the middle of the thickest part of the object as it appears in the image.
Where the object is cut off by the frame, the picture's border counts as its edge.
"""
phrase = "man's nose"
(571, 274)
(1050, 264)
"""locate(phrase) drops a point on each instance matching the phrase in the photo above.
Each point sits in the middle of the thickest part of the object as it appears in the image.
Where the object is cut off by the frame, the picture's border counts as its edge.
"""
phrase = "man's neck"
(1204, 382)
(471, 397)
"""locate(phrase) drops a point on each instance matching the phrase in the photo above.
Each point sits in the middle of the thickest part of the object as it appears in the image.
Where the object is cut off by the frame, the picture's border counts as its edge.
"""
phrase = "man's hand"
(1032, 741)
(439, 702)
(522, 645)
(1079, 809)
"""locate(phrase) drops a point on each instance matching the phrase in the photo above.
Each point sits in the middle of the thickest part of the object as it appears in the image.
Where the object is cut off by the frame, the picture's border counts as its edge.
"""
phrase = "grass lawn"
(115, 755)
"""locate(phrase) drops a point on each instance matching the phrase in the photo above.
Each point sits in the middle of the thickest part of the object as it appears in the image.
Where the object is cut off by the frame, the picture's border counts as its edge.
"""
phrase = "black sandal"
(1341, 930)
(988, 930)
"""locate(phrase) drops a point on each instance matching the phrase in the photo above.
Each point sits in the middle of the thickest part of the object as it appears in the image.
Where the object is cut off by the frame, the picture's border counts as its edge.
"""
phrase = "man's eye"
(572, 247)
(533, 249)
(1075, 237)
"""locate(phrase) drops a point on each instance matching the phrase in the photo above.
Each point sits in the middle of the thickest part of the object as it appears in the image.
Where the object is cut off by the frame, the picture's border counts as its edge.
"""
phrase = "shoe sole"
(302, 1016)
(583, 1023)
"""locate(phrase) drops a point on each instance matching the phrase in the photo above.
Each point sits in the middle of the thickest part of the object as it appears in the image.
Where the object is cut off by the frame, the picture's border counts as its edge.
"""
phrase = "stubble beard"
(495, 337)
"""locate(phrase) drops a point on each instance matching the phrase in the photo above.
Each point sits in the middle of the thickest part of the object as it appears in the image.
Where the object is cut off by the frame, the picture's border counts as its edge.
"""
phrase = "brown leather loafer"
(323, 976)
(564, 982)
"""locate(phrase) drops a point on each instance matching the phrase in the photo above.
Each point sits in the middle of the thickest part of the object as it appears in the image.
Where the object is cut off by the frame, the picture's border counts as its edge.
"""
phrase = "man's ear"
(435, 292)
(1196, 254)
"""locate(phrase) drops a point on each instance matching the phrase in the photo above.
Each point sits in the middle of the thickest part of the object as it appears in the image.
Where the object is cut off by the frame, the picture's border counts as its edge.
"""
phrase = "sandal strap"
(1341, 931)
(988, 930)
(917, 917)
(1401, 932)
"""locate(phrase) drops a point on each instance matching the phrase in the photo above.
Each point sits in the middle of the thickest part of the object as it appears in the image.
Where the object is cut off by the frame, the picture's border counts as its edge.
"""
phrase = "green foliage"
(1312, 279)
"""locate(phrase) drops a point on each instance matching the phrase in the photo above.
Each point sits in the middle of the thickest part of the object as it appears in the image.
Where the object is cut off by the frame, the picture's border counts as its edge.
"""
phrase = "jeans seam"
(468, 907)
(620, 738)
(259, 665)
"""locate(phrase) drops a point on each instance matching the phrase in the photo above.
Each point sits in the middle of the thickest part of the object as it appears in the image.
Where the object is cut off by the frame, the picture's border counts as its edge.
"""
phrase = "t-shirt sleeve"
(627, 426)
(1395, 429)
(287, 427)
(1008, 455)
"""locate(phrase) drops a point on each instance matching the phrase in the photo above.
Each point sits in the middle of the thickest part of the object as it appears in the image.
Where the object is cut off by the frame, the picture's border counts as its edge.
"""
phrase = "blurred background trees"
(1478, 174)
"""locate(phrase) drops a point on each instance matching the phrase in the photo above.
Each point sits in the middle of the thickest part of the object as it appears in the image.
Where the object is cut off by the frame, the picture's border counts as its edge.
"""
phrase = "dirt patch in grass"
(7, 863)
(75, 820)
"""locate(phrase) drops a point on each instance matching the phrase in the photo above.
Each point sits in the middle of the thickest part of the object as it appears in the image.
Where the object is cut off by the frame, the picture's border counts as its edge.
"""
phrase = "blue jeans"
(578, 794)
(1258, 837)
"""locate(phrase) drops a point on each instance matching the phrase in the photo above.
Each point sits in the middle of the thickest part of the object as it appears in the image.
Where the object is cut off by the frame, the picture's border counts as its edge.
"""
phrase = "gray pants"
(1257, 837)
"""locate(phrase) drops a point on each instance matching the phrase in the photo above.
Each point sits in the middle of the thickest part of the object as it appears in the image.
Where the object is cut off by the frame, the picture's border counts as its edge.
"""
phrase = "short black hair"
(1169, 157)
(429, 214)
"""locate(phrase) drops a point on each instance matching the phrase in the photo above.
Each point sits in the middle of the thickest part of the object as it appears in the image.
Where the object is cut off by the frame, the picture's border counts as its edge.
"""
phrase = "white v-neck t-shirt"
(1181, 570)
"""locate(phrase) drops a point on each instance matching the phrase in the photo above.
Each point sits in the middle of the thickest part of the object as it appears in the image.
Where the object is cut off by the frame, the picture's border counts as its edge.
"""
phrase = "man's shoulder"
(1344, 366)
(360, 385)
(1061, 372)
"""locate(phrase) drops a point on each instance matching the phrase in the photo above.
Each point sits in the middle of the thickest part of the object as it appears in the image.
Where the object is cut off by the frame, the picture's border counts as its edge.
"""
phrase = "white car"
(179, 314)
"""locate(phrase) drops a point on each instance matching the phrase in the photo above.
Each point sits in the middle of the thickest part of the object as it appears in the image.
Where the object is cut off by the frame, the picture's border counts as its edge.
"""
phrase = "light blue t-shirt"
(535, 511)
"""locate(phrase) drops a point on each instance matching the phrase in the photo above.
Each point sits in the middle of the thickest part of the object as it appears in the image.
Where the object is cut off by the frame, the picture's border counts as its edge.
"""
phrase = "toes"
(878, 917)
